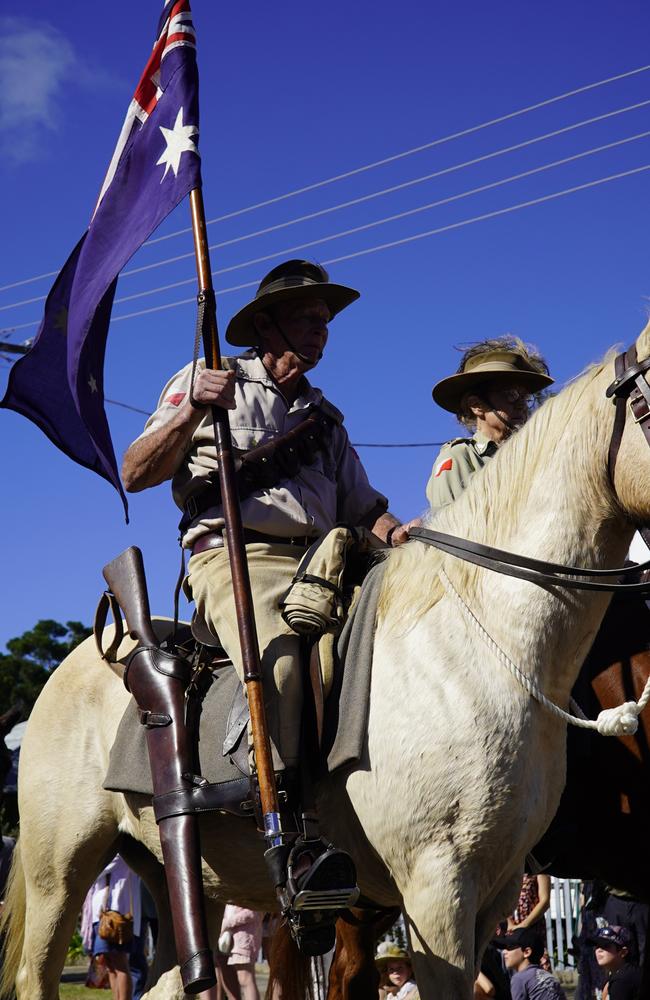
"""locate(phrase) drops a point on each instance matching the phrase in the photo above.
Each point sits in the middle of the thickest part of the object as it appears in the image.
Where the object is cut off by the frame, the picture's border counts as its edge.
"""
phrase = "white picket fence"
(562, 921)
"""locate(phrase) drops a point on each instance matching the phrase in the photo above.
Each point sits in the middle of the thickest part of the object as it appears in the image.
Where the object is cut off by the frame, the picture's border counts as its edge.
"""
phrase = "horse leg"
(289, 972)
(68, 832)
(348, 954)
(148, 867)
(56, 875)
(165, 976)
(353, 973)
(439, 908)
(496, 910)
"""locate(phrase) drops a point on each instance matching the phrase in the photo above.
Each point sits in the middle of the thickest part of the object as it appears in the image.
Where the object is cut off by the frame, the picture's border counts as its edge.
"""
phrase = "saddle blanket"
(224, 715)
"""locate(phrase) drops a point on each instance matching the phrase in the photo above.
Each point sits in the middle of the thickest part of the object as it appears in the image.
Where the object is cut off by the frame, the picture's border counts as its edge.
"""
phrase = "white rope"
(620, 721)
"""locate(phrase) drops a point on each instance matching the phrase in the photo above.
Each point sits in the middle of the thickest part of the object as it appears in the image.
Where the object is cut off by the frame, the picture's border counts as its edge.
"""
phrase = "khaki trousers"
(272, 568)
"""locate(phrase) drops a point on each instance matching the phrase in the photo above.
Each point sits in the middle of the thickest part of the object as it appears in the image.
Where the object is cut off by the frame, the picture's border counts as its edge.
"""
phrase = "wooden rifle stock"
(126, 579)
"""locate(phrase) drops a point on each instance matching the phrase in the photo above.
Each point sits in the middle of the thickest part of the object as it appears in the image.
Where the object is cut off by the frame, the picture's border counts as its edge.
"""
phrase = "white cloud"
(35, 61)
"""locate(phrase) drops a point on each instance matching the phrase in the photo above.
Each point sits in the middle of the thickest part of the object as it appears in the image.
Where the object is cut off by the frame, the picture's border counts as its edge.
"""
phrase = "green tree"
(31, 658)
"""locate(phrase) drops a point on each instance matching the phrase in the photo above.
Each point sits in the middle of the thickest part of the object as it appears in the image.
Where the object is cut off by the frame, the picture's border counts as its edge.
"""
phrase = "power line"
(409, 152)
(6, 347)
(19, 326)
(395, 217)
(370, 225)
(393, 243)
(384, 191)
(356, 201)
(419, 236)
(377, 163)
(127, 406)
(492, 215)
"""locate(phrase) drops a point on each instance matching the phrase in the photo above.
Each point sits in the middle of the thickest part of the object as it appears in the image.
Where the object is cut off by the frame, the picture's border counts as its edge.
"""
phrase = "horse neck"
(546, 495)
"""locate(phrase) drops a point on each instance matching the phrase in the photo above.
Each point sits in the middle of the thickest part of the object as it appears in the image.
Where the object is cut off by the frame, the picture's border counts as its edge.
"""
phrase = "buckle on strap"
(153, 720)
(639, 403)
(632, 374)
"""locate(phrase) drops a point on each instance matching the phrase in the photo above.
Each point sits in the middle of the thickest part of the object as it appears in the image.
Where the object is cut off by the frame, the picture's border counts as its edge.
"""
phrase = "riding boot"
(315, 880)
(158, 681)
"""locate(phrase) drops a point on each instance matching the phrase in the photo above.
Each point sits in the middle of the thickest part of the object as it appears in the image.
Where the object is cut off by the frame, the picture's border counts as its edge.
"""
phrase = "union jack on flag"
(59, 384)
(174, 31)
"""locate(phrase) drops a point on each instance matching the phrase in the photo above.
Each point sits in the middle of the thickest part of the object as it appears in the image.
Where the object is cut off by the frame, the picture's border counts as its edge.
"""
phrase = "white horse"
(462, 771)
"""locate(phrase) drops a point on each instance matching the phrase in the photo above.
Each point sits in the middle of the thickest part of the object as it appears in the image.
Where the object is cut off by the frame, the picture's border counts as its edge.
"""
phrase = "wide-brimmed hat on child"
(391, 953)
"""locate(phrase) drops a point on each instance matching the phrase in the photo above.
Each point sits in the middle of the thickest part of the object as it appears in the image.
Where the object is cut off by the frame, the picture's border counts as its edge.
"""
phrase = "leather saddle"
(239, 795)
(319, 657)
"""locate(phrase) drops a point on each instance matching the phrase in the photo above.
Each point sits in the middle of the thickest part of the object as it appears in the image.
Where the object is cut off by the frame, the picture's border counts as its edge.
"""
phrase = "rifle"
(158, 681)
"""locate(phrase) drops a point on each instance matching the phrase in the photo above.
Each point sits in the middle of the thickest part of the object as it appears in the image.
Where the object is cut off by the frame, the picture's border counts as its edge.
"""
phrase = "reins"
(533, 570)
(629, 385)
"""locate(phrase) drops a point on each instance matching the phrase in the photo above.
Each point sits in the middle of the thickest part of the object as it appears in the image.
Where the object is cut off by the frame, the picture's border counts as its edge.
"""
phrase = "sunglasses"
(513, 395)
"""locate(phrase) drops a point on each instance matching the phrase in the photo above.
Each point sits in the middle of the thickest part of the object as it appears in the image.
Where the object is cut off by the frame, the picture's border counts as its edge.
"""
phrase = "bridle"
(629, 385)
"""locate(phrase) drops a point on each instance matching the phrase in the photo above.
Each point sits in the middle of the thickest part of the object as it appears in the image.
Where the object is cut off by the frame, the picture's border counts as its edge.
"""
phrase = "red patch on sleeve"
(176, 398)
(444, 467)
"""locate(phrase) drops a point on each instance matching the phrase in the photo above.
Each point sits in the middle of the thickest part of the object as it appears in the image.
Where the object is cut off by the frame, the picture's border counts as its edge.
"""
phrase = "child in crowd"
(397, 979)
(522, 952)
(613, 946)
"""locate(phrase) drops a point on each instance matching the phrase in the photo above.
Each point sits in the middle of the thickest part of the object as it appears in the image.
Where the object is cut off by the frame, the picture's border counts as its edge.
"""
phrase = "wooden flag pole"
(235, 541)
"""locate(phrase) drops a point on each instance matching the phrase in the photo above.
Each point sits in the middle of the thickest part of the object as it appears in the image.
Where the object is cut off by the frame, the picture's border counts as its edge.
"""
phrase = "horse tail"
(289, 969)
(12, 925)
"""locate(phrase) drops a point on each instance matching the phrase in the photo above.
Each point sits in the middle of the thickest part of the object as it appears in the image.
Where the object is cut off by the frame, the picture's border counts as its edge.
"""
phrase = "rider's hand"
(401, 532)
(214, 388)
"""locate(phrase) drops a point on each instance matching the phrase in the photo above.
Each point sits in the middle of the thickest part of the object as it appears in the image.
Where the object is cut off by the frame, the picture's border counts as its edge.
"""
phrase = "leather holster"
(158, 681)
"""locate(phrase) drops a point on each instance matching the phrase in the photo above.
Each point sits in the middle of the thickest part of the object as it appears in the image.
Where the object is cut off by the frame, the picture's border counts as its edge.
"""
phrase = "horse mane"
(487, 509)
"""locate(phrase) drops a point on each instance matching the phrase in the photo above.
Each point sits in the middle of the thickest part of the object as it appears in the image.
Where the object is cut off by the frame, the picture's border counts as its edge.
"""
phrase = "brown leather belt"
(214, 540)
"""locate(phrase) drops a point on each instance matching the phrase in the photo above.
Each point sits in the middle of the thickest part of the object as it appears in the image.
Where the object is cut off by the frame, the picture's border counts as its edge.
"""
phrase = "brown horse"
(602, 827)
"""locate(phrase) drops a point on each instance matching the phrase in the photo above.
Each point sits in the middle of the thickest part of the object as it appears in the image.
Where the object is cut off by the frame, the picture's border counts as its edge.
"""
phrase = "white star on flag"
(92, 384)
(179, 140)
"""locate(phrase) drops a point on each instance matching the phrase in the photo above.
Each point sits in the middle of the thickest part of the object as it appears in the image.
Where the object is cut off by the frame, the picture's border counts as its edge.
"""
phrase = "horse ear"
(643, 344)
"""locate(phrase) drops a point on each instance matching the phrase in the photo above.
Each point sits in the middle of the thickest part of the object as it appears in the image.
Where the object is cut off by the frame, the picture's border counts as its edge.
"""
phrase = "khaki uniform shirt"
(457, 462)
(333, 488)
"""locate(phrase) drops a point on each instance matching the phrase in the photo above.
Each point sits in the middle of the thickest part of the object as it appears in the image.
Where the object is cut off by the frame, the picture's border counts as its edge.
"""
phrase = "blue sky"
(291, 95)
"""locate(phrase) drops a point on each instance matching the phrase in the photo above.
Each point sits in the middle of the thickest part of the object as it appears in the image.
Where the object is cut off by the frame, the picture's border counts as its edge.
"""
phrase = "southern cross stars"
(179, 140)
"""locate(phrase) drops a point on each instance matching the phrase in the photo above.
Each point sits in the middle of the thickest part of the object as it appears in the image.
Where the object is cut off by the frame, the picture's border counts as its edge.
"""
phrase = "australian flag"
(59, 384)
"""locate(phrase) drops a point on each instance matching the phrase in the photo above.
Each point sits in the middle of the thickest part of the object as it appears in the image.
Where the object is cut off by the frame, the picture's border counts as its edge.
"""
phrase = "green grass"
(73, 991)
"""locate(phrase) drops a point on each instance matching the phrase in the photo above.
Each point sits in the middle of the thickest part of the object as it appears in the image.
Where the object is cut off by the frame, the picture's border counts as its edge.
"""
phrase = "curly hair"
(507, 342)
